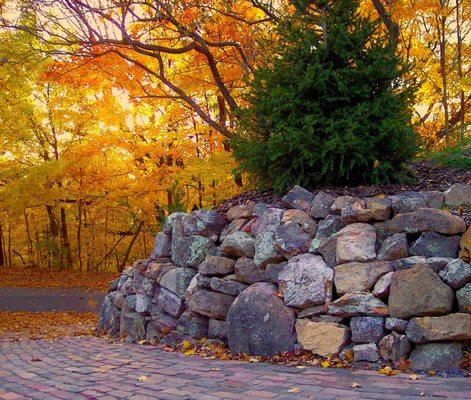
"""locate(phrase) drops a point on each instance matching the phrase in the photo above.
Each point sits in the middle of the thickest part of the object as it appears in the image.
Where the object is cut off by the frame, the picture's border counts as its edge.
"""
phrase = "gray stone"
(327, 247)
(192, 324)
(227, 286)
(143, 303)
(119, 300)
(160, 324)
(312, 311)
(380, 208)
(259, 208)
(342, 201)
(438, 263)
(162, 246)
(210, 304)
(356, 242)
(457, 195)
(267, 222)
(299, 198)
(428, 219)
(436, 356)
(239, 244)
(217, 329)
(259, 323)
(210, 222)
(367, 329)
(356, 212)
(382, 287)
(433, 329)
(394, 248)
(456, 274)
(216, 265)
(302, 218)
(419, 292)
(329, 226)
(366, 352)
(170, 221)
(109, 317)
(241, 211)
(169, 302)
(432, 244)
(396, 324)
(359, 277)
(132, 326)
(129, 304)
(246, 271)
(464, 298)
(394, 347)
(409, 262)
(407, 202)
(157, 270)
(238, 225)
(113, 285)
(291, 240)
(382, 231)
(306, 281)
(434, 199)
(272, 272)
(265, 250)
(177, 280)
(321, 205)
(358, 304)
(191, 251)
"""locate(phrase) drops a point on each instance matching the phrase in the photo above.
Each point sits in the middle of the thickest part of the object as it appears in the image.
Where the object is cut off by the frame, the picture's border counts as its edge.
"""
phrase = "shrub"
(458, 156)
(329, 107)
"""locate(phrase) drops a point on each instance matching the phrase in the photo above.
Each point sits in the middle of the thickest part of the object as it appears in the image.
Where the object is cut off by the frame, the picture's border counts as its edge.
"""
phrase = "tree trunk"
(30, 240)
(444, 76)
(65, 239)
(459, 44)
(2, 251)
(79, 233)
(131, 244)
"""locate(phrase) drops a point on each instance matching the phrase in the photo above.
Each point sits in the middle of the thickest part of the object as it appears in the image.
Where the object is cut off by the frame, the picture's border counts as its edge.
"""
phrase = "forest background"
(115, 113)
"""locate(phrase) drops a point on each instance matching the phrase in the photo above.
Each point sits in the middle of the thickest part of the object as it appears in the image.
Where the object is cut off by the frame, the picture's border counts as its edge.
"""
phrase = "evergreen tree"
(331, 106)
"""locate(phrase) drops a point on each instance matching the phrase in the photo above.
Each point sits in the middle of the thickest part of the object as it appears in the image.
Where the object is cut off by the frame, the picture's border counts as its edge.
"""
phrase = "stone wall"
(372, 279)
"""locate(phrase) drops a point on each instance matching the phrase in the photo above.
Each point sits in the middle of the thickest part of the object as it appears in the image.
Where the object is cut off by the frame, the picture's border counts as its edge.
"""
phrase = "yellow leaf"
(387, 370)
(187, 345)
(355, 385)
(190, 352)
(294, 390)
(414, 377)
(142, 378)
(325, 364)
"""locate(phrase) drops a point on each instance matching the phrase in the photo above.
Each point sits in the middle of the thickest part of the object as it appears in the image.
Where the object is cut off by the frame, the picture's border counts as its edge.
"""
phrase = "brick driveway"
(92, 368)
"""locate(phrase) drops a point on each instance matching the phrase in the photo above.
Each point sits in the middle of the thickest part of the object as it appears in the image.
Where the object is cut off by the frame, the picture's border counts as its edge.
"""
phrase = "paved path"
(92, 368)
(28, 299)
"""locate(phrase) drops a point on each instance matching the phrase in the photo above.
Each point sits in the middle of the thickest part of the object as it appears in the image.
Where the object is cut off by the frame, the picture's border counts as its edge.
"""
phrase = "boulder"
(358, 304)
(329, 226)
(189, 252)
(272, 271)
(267, 222)
(458, 194)
(342, 201)
(210, 222)
(438, 263)
(382, 287)
(118, 300)
(321, 205)
(367, 329)
(246, 271)
(356, 242)
(380, 208)
(408, 298)
(464, 298)
(302, 218)
(259, 323)
(265, 250)
(396, 324)
(366, 352)
(322, 338)
(433, 329)
(409, 262)
(109, 317)
(177, 280)
(436, 356)
(432, 244)
(160, 324)
(143, 303)
(210, 304)
(312, 311)
(407, 202)
(162, 246)
(259, 208)
(291, 240)
(394, 247)
(170, 221)
(157, 270)
(456, 274)
(238, 225)
(327, 247)
(428, 219)
(169, 302)
(434, 198)
(394, 346)
(241, 211)
(239, 244)
(217, 329)
(132, 326)
(216, 265)
(355, 212)
(227, 286)
(299, 198)
(359, 277)
(382, 231)
(465, 246)
(192, 324)
(306, 281)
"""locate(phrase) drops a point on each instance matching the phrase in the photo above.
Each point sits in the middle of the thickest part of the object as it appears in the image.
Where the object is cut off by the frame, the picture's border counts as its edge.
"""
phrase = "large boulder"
(321, 205)
(358, 304)
(210, 304)
(464, 298)
(419, 291)
(322, 338)
(169, 302)
(359, 277)
(458, 194)
(267, 222)
(441, 356)
(132, 326)
(216, 265)
(367, 329)
(356, 212)
(433, 329)
(306, 281)
(259, 323)
(246, 271)
(210, 222)
(291, 240)
(162, 246)
(432, 244)
(299, 198)
(456, 274)
(177, 280)
(302, 218)
(394, 346)
(356, 242)
(394, 247)
(109, 317)
(465, 246)
(407, 202)
(238, 244)
(192, 324)
(329, 226)
(365, 352)
(171, 220)
(265, 250)
(428, 219)
(380, 208)
(189, 252)
(240, 211)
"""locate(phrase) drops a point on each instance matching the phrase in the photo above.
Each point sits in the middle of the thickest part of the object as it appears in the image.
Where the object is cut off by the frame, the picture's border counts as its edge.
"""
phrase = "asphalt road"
(26, 299)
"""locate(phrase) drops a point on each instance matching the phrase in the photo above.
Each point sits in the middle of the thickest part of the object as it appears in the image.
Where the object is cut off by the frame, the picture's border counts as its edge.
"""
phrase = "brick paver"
(93, 368)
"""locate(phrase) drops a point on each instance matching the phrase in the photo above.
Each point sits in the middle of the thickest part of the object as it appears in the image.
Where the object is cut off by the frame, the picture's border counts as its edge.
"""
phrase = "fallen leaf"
(294, 390)
(301, 366)
(142, 378)
(355, 385)
(35, 359)
(387, 370)
(187, 345)
(325, 364)
(414, 377)
(422, 394)
(254, 360)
